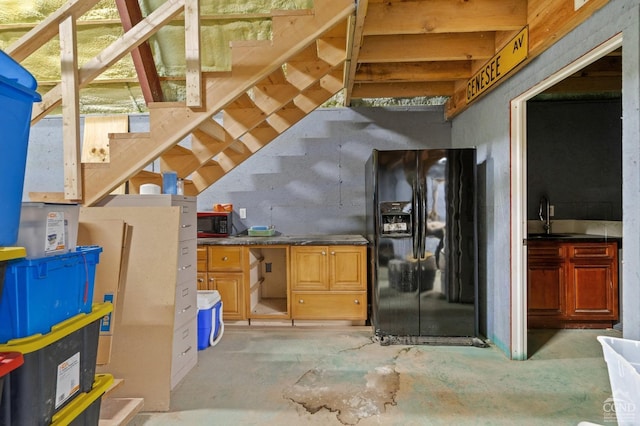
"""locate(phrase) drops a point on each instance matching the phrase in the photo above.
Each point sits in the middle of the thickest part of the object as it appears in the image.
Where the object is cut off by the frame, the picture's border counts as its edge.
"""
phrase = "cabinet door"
(592, 294)
(546, 288)
(347, 268)
(202, 258)
(229, 285)
(309, 268)
(201, 280)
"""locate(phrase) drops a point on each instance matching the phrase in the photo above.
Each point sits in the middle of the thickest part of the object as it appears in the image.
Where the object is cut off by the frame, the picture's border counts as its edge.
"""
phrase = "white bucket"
(149, 189)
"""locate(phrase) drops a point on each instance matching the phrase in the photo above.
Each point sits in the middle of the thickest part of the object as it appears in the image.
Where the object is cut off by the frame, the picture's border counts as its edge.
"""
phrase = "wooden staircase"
(272, 85)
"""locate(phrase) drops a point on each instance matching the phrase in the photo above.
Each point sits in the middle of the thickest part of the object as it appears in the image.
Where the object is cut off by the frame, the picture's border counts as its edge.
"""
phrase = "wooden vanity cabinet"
(328, 282)
(572, 284)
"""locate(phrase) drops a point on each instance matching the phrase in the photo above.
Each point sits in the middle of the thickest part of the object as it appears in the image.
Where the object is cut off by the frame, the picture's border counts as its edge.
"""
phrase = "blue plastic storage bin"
(17, 95)
(210, 324)
(39, 293)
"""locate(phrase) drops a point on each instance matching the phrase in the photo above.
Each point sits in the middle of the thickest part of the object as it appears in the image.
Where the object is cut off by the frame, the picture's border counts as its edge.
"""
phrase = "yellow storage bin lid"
(38, 341)
(82, 401)
(10, 253)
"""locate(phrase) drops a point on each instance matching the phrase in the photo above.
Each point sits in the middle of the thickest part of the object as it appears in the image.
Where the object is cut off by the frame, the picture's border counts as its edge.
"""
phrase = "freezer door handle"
(415, 211)
(423, 217)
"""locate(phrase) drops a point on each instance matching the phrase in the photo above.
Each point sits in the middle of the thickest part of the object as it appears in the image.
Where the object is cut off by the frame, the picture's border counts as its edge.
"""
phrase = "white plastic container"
(47, 229)
(623, 363)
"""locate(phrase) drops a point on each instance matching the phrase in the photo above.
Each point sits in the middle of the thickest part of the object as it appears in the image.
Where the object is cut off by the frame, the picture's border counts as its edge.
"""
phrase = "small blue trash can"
(210, 323)
(17, 95)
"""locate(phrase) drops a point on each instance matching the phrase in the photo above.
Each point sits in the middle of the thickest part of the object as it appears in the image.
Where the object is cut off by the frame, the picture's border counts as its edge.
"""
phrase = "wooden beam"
(427, 47)
(413, 71)
(131, 15)
(444, 16)
(192, 53)
(47, 29)
(402, 90)
(109, 56)
(548, 20)
(353, 52)
(70, 110)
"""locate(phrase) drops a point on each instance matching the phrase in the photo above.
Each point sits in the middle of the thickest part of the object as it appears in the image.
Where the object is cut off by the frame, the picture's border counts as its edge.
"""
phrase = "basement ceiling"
(400, 50)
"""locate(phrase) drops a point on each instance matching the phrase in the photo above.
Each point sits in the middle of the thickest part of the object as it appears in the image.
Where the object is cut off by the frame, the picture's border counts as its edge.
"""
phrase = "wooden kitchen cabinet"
(221, 268)
(572, 284)
(328, 282)
(546, 277)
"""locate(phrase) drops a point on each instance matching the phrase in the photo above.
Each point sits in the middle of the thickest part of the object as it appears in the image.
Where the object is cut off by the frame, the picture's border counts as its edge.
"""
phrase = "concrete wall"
(311, 179)
(45, 167)
(487, 125)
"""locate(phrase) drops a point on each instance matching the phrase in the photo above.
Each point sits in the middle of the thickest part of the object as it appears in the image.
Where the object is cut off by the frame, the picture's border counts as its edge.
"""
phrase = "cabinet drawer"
(188, 218)
(225, 258)
(546, 251)
(186, 261)
(185, 351)
(202, 258)
(329, 306)
(186, 304)
(593, 251)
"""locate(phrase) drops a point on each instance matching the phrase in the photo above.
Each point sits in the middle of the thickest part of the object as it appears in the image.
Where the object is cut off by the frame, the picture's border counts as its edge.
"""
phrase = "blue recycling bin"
(17, 95)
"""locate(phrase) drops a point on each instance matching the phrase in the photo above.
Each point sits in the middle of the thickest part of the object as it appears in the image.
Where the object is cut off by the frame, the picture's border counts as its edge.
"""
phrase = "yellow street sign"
(512, 54)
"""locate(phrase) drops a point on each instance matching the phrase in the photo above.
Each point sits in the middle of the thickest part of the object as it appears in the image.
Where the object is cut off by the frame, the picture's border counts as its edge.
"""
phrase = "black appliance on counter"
(214, 224)
(421, 225)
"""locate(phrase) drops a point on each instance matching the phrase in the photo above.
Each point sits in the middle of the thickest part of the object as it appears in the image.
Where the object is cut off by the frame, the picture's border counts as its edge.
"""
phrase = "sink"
(545, 235)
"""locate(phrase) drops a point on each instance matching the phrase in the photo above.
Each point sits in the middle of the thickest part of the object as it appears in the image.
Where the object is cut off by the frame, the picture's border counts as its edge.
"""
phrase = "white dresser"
(155, 337)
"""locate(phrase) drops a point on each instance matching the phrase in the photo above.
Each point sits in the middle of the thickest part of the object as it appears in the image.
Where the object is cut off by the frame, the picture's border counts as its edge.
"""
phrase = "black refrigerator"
(422, 229)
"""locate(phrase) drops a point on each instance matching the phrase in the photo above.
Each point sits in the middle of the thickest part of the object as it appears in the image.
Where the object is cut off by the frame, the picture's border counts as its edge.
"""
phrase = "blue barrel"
(17, 95)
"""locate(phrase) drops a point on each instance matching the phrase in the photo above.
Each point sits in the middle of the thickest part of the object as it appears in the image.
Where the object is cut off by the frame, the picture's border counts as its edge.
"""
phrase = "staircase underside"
(271, 86)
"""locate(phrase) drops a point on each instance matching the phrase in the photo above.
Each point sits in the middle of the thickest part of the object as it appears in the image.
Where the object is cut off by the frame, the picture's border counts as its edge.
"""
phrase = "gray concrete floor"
(339, 376)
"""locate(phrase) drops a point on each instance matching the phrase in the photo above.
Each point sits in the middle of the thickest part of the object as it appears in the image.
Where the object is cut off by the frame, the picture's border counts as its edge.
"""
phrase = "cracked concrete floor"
(338, 376)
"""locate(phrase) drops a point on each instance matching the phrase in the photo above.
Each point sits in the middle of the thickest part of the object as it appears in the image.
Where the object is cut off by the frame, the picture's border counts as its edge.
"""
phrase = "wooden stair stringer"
(170, 124)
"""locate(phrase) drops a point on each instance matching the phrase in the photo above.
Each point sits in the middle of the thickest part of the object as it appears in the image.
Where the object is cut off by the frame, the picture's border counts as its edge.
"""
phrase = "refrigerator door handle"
(416, 220)
(423, 218)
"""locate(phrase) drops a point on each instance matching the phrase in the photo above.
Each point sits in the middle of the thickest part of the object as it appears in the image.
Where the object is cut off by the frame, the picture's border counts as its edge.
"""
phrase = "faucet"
(544, 213)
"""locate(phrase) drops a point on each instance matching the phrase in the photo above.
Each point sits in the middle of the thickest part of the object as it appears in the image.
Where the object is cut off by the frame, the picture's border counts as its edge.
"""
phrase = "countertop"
(294, 240)
(573, 237)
